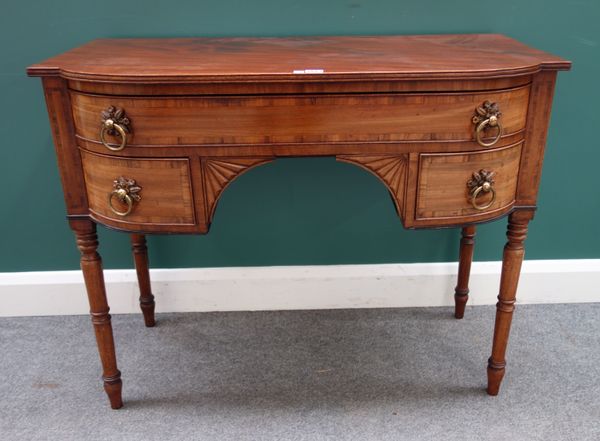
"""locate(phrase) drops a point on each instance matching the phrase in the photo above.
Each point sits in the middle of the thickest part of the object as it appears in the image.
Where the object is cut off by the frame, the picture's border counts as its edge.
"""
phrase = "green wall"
(305, 211)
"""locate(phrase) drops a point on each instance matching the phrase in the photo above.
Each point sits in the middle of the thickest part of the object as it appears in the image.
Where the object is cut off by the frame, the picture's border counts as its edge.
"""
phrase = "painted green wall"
(306, 211)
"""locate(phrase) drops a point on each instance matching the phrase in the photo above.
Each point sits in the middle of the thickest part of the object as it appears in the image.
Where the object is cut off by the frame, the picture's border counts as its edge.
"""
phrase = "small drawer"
(267, 119)
(467, 186)
(138, 192)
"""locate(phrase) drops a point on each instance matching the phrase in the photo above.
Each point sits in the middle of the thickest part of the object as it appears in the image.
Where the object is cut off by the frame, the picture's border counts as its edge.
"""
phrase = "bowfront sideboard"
(149, 132)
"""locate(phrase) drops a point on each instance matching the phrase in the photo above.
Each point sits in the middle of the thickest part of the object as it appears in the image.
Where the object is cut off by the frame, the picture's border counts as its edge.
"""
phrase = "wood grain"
(298, 119)
(298, 87)
(301, 149)
(166, 192)
(538, 120)
(269, 59)
(63, 133)
(442, 184)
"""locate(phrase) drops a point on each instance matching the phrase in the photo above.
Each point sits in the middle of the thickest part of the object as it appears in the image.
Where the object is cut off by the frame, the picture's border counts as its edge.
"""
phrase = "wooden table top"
(299, 58)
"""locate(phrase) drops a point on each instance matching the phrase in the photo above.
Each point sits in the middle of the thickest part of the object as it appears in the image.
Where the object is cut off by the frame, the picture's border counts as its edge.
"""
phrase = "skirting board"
(299, 287)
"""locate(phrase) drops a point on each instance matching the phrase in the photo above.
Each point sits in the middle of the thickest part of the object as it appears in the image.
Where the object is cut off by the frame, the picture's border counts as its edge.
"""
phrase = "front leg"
(91, 266)
(511, 269)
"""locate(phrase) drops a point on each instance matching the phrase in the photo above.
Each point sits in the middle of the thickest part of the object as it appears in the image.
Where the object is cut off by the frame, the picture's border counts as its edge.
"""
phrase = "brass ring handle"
(481, 182)
(489, 122)
(487, 115)
(126, 191)
(116, 123)
(123, 197)
(109, 124)
(486, 188)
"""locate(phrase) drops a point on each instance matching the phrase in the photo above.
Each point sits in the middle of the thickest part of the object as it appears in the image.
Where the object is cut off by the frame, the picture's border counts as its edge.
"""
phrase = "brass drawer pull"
(114, 122)
(125, 191)
(487, 116)
(482, 182)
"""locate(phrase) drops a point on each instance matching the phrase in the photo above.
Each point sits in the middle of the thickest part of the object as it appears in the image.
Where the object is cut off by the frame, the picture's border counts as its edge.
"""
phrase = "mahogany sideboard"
(149, 132)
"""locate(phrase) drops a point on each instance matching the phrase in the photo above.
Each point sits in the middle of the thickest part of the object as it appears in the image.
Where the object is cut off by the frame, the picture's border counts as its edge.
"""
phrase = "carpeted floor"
(394, 374)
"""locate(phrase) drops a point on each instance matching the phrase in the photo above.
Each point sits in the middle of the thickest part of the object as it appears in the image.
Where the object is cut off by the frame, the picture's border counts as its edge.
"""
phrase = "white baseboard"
(299, 287)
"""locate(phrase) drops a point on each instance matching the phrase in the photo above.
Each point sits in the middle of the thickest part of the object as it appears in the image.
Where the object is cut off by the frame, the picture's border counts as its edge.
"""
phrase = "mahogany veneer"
(149, 132)
(301, 118)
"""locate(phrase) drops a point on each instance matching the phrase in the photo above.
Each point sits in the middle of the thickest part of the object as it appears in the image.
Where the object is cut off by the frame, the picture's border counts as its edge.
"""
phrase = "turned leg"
(140, 257)
(511, 269)
(461, 292)
(91, 265)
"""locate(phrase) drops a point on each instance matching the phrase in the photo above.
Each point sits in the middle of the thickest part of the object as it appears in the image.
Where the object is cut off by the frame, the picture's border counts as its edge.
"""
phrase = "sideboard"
(149, 133)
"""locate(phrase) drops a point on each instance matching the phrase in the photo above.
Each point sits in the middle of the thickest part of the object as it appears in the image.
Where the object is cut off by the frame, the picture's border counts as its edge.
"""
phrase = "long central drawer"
(298, 118)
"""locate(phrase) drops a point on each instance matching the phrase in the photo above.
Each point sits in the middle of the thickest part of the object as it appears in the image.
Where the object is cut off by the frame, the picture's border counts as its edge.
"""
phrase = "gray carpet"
(395, 374)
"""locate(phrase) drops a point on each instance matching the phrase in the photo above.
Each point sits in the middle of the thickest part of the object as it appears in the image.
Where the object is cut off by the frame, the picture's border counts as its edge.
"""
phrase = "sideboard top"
(299, 58)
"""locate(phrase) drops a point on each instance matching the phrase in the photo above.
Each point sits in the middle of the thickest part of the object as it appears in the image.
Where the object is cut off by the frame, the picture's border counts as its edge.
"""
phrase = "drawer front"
(153, 191)
(467, 186)
(169, 121)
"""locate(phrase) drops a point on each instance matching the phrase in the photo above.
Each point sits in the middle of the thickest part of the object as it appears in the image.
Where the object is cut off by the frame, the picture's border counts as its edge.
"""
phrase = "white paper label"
(309, 71)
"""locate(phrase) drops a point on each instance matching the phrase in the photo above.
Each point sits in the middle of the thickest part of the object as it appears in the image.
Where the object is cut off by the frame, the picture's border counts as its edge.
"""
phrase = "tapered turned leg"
(91, 265)
(140, 257)
(461, 292)
(511, 269)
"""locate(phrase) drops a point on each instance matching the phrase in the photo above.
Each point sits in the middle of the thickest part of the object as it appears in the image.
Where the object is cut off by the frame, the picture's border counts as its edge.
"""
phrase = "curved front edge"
(454, 189)
(140, 194)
